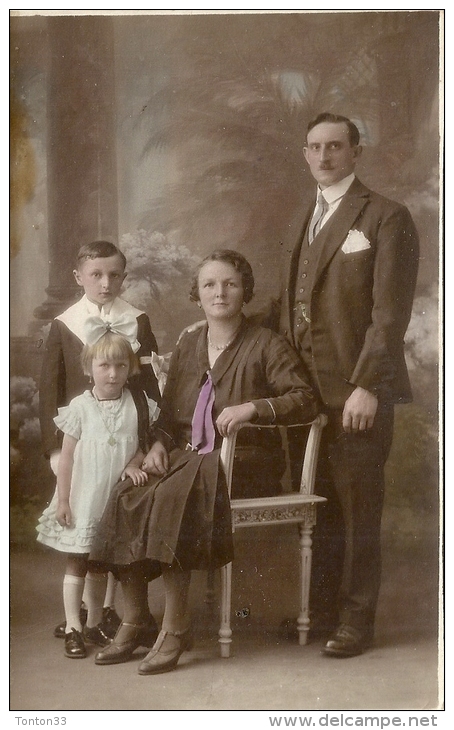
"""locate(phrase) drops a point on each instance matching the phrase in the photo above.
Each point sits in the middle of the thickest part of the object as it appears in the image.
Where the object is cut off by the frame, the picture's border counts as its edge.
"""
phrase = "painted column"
(81, 158)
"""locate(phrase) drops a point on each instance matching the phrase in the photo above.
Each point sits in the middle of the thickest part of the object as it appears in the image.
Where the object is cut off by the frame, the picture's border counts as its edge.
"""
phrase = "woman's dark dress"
(184, 517)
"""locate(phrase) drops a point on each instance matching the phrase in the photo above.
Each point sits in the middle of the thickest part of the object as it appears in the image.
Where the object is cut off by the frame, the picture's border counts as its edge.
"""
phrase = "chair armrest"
(310, 456)
(227, 457)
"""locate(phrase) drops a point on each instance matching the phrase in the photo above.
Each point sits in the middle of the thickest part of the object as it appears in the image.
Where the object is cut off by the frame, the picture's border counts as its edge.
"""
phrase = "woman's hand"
(64, 514)
(157, 460)
(235, 417)
(138, 476)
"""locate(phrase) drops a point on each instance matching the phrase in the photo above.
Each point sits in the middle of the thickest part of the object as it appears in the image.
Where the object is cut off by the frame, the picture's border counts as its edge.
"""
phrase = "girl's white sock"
(73, 588)
(95, 591)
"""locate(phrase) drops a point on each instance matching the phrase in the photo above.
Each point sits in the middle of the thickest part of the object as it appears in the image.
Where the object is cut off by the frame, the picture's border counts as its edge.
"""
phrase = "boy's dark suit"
(346, 304)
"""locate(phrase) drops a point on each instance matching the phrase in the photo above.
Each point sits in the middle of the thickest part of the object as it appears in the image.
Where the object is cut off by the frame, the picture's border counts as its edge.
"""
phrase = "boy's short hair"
(112, 347)
(99, 250)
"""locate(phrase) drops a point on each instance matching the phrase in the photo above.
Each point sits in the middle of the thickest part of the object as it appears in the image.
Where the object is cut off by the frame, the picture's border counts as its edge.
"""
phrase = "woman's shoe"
(165, 653)
(120, 651)
(74, 645)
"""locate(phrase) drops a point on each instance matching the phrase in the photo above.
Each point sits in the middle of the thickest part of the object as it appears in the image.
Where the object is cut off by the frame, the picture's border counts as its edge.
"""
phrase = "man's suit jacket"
(361, 296)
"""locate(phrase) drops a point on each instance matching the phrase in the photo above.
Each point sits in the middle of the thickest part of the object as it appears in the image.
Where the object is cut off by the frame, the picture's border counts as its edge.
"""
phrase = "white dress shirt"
(333, 196)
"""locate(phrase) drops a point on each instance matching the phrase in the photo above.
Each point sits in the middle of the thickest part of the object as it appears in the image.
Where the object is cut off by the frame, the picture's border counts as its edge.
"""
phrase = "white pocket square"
(355, 241)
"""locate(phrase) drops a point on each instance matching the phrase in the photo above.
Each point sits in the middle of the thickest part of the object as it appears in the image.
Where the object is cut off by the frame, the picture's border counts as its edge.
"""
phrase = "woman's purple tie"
(202, 421)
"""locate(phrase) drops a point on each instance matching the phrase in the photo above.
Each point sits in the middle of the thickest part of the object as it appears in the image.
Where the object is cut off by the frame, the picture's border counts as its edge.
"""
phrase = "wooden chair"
(292, 507)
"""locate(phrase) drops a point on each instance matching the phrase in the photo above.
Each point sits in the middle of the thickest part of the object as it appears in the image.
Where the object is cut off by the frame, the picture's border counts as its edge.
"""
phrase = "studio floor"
(266, 671)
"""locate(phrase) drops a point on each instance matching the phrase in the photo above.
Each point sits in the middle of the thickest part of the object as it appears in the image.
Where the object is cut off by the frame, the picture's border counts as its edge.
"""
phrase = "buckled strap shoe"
(118, 651)
(166, 651)
(74, 645)
(346, 642)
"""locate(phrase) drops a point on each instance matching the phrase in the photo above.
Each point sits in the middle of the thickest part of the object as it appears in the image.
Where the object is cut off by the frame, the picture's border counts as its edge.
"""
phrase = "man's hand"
(157, 460)
(235, 417)
(359, 411)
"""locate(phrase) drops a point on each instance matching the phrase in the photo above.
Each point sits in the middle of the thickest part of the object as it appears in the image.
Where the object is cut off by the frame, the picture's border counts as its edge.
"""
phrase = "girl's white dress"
(107, 433)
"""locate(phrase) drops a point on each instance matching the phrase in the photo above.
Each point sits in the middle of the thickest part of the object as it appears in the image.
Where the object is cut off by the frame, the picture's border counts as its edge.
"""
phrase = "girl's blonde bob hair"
(110, 347)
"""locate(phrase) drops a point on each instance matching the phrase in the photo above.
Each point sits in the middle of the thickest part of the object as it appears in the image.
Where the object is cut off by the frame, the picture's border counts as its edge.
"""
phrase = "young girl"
(105, 437)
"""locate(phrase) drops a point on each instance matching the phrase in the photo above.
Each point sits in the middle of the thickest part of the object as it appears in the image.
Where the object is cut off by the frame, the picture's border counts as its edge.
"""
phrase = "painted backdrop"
(192, 134)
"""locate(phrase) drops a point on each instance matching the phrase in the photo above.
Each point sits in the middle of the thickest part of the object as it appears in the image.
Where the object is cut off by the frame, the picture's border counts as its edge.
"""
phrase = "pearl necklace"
(220, 348)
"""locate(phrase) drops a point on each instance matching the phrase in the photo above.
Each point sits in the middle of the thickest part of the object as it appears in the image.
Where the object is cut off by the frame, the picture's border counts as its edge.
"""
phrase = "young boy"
(100, 271)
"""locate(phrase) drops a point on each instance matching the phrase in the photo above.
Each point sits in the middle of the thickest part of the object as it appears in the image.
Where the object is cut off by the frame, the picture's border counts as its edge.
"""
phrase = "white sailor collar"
(75, 316)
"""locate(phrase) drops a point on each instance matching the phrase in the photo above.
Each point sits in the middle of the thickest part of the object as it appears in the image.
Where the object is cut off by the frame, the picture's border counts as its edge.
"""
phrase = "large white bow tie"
(124, 325)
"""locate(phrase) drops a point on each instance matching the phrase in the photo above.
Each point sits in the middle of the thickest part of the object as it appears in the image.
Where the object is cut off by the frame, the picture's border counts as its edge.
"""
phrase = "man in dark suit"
(352, 260)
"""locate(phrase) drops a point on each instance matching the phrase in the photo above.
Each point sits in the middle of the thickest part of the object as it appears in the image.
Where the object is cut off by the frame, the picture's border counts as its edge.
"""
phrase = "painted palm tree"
(237, 113)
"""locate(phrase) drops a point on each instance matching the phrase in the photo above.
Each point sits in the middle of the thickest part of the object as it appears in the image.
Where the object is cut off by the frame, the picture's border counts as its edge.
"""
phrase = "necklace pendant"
(111, 441)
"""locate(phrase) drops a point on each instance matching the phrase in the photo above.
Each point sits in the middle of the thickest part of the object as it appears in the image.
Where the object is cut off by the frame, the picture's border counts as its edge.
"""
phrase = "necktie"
(320, 209)
(202, 422)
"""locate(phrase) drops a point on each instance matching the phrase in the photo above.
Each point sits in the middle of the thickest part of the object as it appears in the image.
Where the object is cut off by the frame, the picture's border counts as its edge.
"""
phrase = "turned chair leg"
(225, 631)
(305, 541)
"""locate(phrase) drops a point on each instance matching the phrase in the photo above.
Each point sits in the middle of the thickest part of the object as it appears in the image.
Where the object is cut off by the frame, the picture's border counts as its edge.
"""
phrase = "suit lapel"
(233, 354)
(334, 233)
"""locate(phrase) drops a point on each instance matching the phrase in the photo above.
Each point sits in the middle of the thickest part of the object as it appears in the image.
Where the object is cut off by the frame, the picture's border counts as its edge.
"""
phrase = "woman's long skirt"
(180, 519)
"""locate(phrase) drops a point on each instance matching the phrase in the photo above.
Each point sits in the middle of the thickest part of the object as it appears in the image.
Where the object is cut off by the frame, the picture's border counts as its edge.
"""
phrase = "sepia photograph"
(225, 364)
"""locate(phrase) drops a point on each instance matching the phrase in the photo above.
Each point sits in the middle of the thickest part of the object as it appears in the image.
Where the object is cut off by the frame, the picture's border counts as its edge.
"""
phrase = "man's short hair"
(353, 131)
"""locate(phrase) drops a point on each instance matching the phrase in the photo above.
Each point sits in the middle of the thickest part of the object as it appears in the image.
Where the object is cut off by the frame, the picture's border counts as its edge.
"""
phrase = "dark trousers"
(346, 566)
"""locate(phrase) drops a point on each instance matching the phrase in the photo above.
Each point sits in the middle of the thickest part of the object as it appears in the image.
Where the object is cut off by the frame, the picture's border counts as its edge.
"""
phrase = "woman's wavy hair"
(239, 263)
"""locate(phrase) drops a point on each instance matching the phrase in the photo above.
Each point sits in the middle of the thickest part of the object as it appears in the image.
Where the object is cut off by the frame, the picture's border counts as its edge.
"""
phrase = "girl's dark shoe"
(74, 645)
(110, 622)
(96, 635)
(120, 651)
(60, 630)
(165, 653)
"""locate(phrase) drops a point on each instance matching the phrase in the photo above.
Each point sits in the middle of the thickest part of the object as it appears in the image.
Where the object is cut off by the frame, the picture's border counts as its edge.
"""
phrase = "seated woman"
(222, 376)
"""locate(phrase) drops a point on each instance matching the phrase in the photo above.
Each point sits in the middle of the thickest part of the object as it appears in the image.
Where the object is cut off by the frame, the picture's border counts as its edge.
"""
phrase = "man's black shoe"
(346, 642)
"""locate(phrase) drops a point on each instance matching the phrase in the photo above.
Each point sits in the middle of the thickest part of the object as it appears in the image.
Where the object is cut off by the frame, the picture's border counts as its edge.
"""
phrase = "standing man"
(348, 293)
